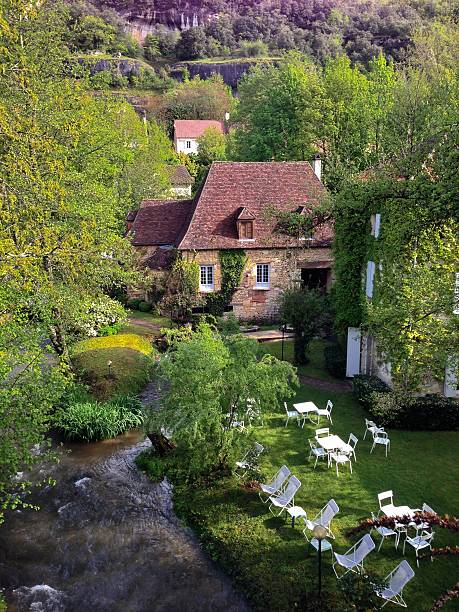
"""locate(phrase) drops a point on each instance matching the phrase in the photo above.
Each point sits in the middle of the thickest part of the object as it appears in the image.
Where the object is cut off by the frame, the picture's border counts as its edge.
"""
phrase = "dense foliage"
(362, 29)
(209, 379)
(232, 264)
(402, 411)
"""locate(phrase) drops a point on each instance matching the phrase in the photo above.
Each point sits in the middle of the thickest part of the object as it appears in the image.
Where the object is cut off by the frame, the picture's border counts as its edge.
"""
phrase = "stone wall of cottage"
(250, 303)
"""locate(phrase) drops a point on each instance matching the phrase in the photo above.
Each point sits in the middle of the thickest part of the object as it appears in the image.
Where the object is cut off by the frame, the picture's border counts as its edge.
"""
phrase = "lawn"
(145, 324)
(315, 368)
(131, 357)
(269, 561)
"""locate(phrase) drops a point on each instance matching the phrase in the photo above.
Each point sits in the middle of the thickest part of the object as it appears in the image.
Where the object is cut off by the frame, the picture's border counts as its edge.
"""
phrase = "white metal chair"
(370, 426)
(326, 412)
(324, 432)
(395, 583)
(385, 532)
(276, 484)
(340, 458)
(249, 460)
(351, 444)
(419, 542)
(352, 560)
(381, 437)
(291, 414)
(324, 518)
(286, 498)
(423, 526)
(318, 452)
(386, 508)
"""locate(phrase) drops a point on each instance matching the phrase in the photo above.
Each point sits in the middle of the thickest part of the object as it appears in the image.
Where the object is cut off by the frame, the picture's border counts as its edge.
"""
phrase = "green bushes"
(145, 306)
(335, 360)
(401, 411)
(90, 421)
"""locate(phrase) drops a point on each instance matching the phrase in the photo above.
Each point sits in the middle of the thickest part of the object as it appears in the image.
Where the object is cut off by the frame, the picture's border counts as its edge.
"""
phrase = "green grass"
(314, 368)
(130, 355)
(151, 328)
(268, 560)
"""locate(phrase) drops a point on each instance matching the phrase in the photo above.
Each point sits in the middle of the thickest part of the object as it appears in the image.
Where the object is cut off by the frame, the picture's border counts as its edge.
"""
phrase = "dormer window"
(244, 222)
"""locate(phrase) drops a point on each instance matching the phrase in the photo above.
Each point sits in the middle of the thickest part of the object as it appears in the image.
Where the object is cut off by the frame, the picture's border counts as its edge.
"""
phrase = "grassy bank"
(269, 561)
(131, 356)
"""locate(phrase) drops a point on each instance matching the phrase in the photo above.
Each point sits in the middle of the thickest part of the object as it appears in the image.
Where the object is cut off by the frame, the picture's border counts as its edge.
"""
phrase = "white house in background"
(363, 356)
(187, 132)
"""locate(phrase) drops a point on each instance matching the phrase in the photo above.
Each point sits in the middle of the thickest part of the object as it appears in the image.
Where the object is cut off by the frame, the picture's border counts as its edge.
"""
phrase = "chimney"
(317, 166)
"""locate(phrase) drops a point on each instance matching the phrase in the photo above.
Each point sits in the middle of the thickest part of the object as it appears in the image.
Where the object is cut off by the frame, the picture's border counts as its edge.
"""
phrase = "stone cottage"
(231, 212)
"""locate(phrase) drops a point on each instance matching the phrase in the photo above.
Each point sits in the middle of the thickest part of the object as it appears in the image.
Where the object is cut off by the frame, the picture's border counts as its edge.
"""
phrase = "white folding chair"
(370, 426)
(385, 532)
(291, 414)
(419, 542)
(324, 519)
(423, 525)
(352, 560)
(285, 499)
(340, 458)
(249, 460)
(395, 583)
(381, 437)
(351, 444)
(324, 432)
(276, 484)
(386, 508)
(318, 452)
(326, 412)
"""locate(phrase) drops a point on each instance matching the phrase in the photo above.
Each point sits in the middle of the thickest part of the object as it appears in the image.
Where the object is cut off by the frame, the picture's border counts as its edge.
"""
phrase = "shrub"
(134, 303)
(335, 360)
(100, 313)
(91, 421)
(110, 330)
(145, 306)
(365, 385)
(428, 413)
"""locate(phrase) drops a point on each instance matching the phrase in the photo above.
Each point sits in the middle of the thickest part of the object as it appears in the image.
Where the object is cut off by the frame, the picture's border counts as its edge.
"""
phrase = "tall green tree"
(280, 112)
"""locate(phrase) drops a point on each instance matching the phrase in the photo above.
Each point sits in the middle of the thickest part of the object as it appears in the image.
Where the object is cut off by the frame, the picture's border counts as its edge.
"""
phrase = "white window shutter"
(450, 388)
(353, 351)
(456, 295)
(370, 279)
(377, 224)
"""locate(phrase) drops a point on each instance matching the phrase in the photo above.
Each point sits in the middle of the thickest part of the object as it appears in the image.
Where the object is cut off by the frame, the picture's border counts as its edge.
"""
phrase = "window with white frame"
(262, 276)
(206, 281)
(375, 224)
(188, 144)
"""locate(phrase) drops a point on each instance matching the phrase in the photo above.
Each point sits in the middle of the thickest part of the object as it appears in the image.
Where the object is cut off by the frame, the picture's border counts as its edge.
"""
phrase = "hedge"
(400, 411)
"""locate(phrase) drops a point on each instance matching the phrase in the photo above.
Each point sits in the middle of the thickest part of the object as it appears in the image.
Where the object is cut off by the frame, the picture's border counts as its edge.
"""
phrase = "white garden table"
(305, 409)
(333, 442)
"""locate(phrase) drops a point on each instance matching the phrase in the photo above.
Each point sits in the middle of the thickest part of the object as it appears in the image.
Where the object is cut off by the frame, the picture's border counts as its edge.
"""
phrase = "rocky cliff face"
(143, 15)
(231, 72)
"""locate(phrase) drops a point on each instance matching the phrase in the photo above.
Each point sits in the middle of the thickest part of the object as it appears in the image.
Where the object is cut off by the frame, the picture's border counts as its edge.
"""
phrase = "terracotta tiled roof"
(245, 215)
(160, 222)
(194, 128)
(232, 186)
(179, 175)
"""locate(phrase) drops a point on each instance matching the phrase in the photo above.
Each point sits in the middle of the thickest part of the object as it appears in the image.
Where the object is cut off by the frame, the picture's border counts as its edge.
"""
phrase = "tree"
(192, 44)
(196, 99)
(306, 310)
(280, 112)
(212, 147)
(62, 209)
(208, 381)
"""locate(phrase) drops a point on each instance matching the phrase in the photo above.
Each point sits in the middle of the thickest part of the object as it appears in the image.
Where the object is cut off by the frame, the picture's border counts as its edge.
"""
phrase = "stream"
(106, 539)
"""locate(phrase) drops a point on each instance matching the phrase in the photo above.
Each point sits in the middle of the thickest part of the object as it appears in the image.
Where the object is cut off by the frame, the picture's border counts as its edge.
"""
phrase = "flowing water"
(107, 539)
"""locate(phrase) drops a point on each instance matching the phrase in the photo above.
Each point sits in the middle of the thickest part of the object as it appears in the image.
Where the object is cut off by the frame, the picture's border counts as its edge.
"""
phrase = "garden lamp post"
(320, 533)
(109, 363)
(283, 326)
